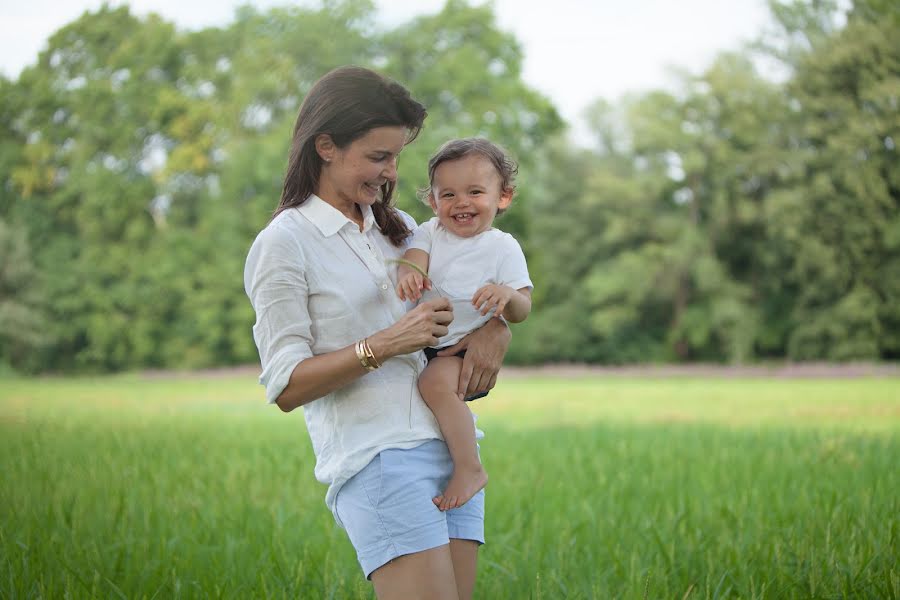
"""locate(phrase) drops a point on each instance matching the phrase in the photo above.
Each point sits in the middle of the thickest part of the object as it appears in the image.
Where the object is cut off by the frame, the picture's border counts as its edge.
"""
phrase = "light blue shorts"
(387, 511)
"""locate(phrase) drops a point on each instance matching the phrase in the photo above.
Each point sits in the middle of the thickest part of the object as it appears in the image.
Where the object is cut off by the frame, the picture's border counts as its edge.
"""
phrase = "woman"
(334, 338)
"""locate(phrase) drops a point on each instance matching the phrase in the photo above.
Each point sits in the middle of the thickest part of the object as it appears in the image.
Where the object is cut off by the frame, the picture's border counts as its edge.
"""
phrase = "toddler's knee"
(439, 379)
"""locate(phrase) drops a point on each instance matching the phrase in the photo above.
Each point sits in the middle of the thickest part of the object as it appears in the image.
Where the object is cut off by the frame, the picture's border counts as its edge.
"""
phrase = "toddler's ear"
(432, 202)
(506, 196)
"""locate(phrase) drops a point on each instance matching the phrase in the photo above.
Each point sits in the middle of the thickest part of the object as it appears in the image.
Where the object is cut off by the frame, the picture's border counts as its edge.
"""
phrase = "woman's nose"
(390, 171)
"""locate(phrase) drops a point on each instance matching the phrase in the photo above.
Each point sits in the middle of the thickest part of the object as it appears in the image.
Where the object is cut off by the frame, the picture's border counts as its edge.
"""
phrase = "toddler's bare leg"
(438, 387)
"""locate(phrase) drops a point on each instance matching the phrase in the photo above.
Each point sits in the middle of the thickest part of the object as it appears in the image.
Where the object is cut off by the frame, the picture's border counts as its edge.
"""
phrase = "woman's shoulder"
(410, 222)
(281, 231)
(276, 244)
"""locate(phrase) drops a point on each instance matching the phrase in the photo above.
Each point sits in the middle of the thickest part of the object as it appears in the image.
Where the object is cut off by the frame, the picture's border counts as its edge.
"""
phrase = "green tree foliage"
(694, 252)
(563, 251)
(659, 241)
(836, 216)
(732, 219)
(736, 218)
(139, 161)
(23, 326)
(104, 87)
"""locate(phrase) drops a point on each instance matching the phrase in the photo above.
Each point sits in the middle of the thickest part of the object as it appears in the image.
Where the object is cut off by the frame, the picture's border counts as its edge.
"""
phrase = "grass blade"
(419, 270)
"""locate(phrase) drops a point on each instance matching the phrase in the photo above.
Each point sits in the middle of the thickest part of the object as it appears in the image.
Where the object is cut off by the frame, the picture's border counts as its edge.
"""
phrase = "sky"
(576, 51)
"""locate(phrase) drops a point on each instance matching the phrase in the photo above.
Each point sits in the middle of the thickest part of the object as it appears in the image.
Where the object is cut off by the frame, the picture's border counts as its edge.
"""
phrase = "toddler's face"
(466, 195)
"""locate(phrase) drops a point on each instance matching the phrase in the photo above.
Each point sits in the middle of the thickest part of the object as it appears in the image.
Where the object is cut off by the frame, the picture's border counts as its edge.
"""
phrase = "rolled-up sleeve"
(275, 281)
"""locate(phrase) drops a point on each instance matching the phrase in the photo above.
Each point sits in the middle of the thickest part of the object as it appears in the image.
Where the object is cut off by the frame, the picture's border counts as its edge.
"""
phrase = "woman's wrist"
(499, 324)
(495, 335)
(381, 347)
(365, 355)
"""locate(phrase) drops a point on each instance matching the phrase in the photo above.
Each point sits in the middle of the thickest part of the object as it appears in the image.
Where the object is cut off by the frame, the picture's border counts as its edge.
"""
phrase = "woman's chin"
(368, 198)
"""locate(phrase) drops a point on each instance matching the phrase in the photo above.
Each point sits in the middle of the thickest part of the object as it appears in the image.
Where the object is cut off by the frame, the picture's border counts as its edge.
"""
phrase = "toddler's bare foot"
(465, 483)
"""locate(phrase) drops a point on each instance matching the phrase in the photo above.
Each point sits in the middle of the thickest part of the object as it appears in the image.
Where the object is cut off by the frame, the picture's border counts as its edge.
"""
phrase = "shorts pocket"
(357, 499)
(372, 482)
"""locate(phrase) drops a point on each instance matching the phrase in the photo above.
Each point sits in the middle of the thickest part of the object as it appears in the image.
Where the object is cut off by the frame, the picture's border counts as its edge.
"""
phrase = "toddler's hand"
(410, 286)
(492, 296)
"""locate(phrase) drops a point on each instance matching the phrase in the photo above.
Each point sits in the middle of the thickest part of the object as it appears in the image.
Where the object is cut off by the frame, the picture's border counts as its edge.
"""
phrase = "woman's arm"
(320, 375)
(485, 348)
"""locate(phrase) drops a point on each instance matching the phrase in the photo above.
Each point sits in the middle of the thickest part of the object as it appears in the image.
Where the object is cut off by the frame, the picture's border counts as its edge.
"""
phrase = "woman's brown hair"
(345, 104)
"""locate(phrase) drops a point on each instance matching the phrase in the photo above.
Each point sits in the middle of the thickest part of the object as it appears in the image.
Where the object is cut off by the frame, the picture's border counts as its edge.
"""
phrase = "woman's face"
(354, 174)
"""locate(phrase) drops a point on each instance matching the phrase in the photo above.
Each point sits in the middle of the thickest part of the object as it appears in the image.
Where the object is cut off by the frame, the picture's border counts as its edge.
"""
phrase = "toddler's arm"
(514, 305)
(410, 282)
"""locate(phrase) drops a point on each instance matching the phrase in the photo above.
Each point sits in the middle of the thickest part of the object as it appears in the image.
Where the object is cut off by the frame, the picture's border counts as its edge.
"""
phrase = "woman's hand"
(419, 328)
(485, 348)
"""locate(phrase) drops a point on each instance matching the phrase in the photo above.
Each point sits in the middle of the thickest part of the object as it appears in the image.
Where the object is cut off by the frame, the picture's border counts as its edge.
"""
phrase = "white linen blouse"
(319, 284)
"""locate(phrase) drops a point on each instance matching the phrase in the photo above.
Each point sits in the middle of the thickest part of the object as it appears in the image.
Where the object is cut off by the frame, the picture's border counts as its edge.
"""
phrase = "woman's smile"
(372, 188)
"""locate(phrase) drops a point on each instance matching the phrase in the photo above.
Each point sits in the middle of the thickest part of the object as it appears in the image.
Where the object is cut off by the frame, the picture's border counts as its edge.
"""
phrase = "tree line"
(738, 218)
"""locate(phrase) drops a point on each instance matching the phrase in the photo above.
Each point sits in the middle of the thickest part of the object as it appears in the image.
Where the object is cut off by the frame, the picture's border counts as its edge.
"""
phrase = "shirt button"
(384, 286)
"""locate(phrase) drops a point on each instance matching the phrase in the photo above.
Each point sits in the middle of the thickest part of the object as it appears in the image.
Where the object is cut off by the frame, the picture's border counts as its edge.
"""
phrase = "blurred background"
(740, 207)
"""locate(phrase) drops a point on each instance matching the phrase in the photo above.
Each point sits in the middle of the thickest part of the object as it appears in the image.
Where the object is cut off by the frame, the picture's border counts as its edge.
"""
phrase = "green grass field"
(191, 487)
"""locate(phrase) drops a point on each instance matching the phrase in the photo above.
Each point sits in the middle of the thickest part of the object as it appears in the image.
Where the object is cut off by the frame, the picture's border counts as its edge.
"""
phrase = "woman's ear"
(325, 147)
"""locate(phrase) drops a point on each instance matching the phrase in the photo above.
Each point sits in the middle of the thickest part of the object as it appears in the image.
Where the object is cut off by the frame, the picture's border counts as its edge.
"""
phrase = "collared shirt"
(459, 266)
(319, 284)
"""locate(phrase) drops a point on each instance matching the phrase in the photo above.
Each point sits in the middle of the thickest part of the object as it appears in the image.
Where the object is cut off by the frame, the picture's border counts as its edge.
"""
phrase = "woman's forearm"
(485, 349)
(318, 376)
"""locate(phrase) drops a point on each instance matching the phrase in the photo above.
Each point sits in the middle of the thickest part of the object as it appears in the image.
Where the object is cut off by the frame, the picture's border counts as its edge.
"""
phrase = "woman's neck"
(349, 209)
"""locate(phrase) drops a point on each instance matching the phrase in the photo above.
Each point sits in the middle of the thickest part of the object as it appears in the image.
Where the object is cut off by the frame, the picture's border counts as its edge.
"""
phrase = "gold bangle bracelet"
(369, 354)
(361, 355)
